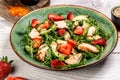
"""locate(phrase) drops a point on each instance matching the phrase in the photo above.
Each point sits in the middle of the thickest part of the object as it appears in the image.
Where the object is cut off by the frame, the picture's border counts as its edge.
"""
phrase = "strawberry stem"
(5, 59)
(11, 61)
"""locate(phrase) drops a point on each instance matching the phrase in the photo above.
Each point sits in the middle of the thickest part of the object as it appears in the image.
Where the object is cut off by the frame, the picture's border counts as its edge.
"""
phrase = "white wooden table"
(107, 70)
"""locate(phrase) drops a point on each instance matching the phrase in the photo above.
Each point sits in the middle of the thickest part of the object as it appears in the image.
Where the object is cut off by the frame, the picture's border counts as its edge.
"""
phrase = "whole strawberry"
(16, 78)
(5, 67)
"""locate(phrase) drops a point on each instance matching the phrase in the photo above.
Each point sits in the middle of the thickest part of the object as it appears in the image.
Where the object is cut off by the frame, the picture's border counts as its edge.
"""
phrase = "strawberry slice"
(55, 17)
(61, 32)
(100, 41)
(65, 48)
(70, 16)
(36, 42)
(56, 63)
(16, 78)
(73, 42)
(79, 30)
(45, 25)
(5, 68)
(34, 23)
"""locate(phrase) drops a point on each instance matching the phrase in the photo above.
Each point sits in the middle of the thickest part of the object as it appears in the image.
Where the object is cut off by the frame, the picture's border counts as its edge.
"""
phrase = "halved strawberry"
(100, 41)
(79, 30)
(56, 63)
(55, 17)
(70, 16)
(61, 32)
(34, 23)
(5, 68)
(65, 48)
(45, 25)
(36, 42)
(73, 42)
(16, 78)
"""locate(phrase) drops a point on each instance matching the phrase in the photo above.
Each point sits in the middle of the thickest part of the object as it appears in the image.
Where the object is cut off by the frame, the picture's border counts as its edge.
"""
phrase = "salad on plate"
(64, 40)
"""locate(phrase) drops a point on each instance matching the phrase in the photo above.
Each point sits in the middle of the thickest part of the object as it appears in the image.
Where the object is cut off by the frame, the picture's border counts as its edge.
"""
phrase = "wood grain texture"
(4, 4)
(107, 70)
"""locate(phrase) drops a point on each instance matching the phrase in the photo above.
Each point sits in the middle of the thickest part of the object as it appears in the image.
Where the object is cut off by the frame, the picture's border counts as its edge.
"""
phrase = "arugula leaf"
(50, 56)
(70, 24)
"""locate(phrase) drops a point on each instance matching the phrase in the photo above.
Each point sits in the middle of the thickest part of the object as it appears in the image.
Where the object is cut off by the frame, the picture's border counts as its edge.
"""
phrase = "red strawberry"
(79, 30)
(5, 68)
(70, 16)
(57, 63)
(45, 25)
(61, 32)
(73, 42)
(34, 23)
(55, 17)
(65, 48)
(100, 41)
(36, 42)
(16, 78)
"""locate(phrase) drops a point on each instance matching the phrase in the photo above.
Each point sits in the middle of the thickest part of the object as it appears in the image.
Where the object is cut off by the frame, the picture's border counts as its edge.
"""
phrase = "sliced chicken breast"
(67, 36)
(91, 31)
(87, 47)
(34, 33)
(74, 59)
(97, 37)
(54, 48)
(61, 24)
(41, 54)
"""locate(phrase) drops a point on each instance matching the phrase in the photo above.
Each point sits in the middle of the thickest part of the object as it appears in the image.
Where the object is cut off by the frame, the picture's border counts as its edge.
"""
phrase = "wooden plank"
(4, 4)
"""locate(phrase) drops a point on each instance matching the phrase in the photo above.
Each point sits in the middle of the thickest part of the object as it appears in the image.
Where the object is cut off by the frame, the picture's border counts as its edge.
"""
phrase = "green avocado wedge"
(22, 24)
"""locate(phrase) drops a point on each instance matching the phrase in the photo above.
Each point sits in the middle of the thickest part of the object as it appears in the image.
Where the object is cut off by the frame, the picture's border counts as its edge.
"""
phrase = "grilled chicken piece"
(87, 47)
(85, 25)
(34, 33)
(74, 59)
(61, 24)
(91, 31)
(54, 48)
(61, 42)
(67, 36)
(80, 17)
(97, 37)
(41, 54)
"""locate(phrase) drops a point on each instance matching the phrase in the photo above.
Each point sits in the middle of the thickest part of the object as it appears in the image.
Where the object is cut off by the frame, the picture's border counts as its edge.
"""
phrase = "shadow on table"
(86, 73)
